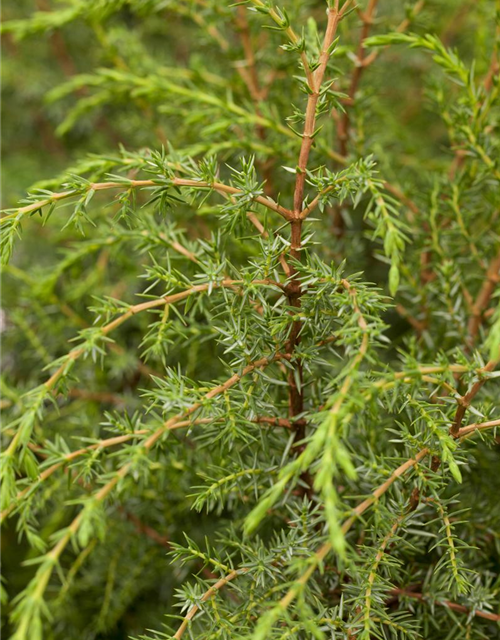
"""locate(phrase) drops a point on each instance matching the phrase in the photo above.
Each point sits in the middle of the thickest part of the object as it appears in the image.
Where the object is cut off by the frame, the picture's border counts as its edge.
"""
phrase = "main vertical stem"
(294, 291)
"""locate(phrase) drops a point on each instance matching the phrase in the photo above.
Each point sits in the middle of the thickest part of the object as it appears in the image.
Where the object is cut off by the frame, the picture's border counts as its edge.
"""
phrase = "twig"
(373, 571)
(294, 292)
(206, 596)
(334, 17)
(251, 79)
(278, 422)
(445, 603)
(148, 531)
(492, 279)
(179, 182)
(465, 401)
(470, 429)
(292, 36)
(44, 573)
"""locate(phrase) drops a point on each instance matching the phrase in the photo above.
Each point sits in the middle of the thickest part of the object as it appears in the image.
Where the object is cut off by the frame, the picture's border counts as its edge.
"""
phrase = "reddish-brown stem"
(492, 279)
(294, 291)
(179, 182)
(402, 197)
(278, 422)
(416, 324)
(343, 122)
(145, 529)
(467, 431)
(206, 596)
(465, 401)
(493, 70)
(403, 593)
(250, 77)
(334, 16)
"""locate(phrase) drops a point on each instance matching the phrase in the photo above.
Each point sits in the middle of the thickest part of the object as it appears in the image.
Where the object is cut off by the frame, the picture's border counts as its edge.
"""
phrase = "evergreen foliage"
(250, 380)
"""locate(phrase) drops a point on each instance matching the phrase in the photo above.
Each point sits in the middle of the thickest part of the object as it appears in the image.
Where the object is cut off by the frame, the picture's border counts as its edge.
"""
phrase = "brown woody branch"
(179, 182)
(465, 401)
(325, 549)
(403, 593)
(206, 596)
(294, 291)
(491, 281)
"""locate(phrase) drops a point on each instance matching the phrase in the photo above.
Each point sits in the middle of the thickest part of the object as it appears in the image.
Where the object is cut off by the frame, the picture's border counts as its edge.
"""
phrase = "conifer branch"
(367, 18)
(281, 382)
(321, 554)
(139, 184)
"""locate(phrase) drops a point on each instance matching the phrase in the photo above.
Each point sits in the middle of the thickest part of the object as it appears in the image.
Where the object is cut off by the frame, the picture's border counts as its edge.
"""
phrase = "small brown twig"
(465, 401)
(403, 593)
(134, 184)
(470, 429)
(251, 77)
(491, 281)
(278, 422)
(206, 596)
(145, 529)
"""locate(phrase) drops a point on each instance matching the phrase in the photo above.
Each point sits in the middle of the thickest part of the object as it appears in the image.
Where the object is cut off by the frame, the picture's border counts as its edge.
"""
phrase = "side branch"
(206, 596)
(292, 36)
(487, 615)
(134, 184)
(465, 401)
(491, 281)
(344, 122)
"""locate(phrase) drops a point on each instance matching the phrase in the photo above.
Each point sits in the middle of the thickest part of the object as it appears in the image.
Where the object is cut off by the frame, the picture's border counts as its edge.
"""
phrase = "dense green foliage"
(252, 325)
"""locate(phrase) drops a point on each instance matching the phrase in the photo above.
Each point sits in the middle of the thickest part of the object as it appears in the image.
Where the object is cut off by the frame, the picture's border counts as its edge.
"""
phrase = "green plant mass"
(251, 320)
